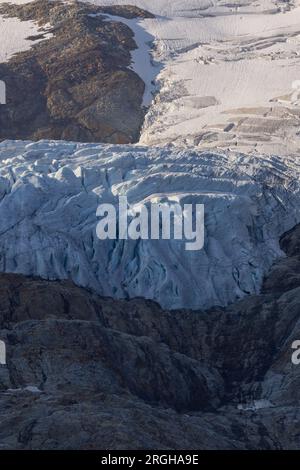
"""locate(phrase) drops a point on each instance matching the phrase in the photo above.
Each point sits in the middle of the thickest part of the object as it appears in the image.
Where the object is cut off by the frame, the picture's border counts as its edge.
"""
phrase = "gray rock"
(85, 372)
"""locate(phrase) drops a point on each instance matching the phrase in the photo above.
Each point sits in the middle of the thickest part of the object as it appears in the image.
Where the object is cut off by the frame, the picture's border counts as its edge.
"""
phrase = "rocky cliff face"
(90, 372)
(78, 84)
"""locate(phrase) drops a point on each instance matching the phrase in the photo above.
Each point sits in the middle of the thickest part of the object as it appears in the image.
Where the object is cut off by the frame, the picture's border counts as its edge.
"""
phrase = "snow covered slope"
(227, 75)
(14, 35)
(50, 192)
(230, 73)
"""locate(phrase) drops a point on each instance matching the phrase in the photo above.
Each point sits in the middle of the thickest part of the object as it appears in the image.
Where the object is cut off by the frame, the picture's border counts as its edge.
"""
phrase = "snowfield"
(14, 35)
(50, 192)
(227, 74)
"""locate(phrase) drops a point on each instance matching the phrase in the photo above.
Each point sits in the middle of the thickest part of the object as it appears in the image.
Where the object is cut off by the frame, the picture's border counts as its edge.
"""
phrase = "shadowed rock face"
(129, 375)
(77, 85)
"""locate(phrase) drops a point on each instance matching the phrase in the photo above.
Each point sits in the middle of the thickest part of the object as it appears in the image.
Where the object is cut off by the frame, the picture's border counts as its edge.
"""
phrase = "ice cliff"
(50, 192)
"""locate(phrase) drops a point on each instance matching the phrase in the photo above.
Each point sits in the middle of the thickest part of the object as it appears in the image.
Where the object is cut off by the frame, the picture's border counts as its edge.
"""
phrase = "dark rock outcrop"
(126, 374)
(76, 85)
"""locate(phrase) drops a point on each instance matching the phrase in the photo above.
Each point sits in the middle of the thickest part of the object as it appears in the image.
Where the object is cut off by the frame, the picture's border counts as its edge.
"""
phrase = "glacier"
(50, 191)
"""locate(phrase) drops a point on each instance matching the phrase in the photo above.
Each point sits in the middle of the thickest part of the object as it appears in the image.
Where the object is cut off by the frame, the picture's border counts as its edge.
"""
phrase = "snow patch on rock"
(142, 63)
(14, 36)
(256, 405)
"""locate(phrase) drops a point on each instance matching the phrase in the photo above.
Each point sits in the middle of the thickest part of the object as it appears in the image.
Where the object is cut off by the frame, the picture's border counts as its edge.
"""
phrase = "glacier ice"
(49, 193)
